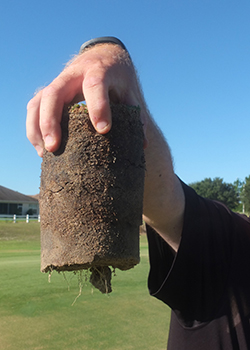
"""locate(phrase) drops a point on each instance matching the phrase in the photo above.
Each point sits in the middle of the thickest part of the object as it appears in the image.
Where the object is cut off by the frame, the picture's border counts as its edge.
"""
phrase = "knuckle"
(50, 90)
(92, 81)
(95, 75)
(33, 103)
(46, 123)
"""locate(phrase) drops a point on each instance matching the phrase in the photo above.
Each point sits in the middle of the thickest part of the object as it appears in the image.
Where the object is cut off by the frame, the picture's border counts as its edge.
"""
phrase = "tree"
(246, 194)
(217, 190)
(239, 188)
(243, 190)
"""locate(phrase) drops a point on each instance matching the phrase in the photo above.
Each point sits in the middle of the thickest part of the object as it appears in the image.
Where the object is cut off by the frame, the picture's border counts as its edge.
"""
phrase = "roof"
(9, 195)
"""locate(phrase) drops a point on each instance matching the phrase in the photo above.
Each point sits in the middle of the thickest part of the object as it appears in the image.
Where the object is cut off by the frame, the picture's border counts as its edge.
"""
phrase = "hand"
(100, 75)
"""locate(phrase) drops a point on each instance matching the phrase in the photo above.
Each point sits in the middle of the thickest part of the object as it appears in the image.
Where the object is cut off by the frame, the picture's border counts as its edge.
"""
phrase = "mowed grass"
(36, 314)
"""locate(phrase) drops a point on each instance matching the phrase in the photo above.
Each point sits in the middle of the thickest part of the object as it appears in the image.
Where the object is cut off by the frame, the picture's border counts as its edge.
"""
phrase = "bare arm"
(99, 75)
(164, 201)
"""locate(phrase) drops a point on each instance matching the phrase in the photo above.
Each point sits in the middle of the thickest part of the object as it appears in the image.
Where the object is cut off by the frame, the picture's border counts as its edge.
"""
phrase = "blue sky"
(193, 58)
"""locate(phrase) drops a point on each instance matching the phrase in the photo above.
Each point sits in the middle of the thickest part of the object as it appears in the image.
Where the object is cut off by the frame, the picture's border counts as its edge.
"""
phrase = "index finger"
(54, 97)
(32, 124)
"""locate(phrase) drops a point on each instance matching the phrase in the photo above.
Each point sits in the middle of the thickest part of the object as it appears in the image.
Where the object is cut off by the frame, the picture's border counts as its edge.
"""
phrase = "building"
(12, 202)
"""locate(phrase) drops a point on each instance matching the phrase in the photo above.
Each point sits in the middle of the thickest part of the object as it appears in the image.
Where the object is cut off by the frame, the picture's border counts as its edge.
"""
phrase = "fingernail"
(101, 126)
(49, 141)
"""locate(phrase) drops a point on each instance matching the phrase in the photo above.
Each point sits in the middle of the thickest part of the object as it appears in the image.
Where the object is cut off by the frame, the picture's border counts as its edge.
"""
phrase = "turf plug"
(91, 196)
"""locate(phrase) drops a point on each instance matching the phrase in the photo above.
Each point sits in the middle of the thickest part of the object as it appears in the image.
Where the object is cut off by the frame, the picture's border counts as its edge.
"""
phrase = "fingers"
(96, 77)
(96, 92)
(43, 120)
(32, 124)
(44, 113)
(51, 107)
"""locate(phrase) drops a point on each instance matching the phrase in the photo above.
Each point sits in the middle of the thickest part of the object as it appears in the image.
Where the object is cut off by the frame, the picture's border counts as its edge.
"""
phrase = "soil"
(101, 278)
(91, 196)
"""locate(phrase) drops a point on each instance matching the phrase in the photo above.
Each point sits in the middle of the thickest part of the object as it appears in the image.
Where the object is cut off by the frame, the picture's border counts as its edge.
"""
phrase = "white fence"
(16, 218)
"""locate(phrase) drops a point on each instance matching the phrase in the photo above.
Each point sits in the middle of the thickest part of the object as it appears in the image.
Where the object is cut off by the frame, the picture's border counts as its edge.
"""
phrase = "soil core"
(91, 195)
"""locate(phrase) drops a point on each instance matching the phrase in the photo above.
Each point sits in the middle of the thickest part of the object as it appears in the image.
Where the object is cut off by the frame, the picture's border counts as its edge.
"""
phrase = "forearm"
(163, 195)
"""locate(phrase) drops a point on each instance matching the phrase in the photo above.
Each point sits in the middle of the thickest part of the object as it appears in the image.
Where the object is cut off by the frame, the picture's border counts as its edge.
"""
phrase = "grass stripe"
(37, 315)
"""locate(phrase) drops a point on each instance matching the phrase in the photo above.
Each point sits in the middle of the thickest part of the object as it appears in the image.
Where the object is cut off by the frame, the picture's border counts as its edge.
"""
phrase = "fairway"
(37, 314)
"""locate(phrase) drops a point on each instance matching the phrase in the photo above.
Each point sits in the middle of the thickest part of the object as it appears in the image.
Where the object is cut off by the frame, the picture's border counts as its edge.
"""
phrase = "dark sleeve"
(193, 281)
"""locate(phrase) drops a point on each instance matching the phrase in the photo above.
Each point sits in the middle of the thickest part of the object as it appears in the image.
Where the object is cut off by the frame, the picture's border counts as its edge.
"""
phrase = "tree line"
(236, 196)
